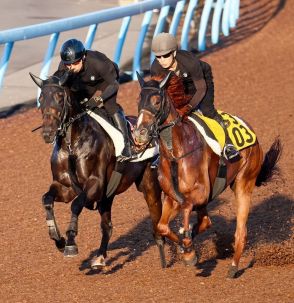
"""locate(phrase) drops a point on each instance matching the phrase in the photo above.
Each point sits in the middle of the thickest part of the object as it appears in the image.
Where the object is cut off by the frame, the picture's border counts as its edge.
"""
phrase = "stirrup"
(155, 163)
(231, 153)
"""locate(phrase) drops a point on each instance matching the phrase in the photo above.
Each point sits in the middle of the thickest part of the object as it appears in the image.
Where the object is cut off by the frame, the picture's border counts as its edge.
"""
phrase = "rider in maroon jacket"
(197, 79)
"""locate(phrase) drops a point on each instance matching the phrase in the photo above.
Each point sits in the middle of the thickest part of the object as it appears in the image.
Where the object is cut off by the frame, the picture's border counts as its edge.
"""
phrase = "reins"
(157, 127)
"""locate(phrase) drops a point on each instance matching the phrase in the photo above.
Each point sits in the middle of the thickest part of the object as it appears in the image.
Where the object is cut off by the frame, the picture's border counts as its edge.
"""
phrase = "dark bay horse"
(188, 169)
(82, 163)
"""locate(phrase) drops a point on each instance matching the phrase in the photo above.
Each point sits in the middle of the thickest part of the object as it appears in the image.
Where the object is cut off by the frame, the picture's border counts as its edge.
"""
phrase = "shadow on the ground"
(269, 223)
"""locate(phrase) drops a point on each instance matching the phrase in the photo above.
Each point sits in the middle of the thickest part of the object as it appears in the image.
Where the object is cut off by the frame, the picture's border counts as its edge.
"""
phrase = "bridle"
(62, 116)
(160, 115)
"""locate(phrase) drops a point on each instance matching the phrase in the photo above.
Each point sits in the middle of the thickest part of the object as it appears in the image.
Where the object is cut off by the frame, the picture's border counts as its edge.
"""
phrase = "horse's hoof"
(60, 244)
(70, 251)
(98, 262)
(232, 273)
(190, 259)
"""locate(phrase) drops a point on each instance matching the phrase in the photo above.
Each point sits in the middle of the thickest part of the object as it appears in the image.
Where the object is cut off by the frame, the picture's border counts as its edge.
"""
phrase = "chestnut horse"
(188, 168)
(82, 163)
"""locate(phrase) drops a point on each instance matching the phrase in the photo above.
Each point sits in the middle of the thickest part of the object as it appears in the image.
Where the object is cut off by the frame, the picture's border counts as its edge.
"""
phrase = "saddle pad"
(118, 139)
(240, 134)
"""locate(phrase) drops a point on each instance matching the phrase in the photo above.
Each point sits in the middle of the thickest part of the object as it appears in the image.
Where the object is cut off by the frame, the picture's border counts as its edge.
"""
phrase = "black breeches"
(111, 106)
(207, 104)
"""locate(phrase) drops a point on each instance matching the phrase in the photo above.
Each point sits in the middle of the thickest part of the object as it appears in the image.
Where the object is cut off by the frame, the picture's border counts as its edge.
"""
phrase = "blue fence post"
(176, 18)
(203, 25)
(160, 24)
(139, 46)
(225, 18)
(234, 12)
(216, 21)
(90, 36)
(47, 60)
(187, 24)
(121, 38)
(4, 60)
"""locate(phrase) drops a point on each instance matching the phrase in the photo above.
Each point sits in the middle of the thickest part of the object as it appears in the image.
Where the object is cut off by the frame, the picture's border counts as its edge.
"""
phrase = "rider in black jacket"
(94, 79)
(197, 79)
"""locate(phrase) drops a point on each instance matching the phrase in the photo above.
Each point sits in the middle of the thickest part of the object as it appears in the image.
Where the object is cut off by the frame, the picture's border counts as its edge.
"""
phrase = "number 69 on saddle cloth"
(239, 132)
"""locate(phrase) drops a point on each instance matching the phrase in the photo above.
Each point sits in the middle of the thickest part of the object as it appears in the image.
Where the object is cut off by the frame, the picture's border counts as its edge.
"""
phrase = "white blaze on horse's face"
(144, 122)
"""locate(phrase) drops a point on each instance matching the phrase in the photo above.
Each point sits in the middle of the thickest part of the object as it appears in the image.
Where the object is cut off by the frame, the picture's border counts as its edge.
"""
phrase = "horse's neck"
(182, 136)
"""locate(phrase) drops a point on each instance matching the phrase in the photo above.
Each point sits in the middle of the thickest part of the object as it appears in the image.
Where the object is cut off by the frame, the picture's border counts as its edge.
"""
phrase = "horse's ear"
(140, 79)
(165, 80)
(63, 79)
(37, 80)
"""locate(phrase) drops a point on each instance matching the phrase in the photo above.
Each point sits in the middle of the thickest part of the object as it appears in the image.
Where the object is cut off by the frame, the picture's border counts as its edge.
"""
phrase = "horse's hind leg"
(77, 205)
(203, 222)
(60, 193)
(106, 227)
(243, 191)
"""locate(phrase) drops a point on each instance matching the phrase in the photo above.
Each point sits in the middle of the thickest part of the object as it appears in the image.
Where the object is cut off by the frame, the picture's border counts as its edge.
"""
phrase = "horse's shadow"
(131, 246)
(269, 223)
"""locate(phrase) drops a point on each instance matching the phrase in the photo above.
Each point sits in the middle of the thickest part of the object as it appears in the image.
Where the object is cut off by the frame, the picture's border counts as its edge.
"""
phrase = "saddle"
(239, 132)
(118, 140)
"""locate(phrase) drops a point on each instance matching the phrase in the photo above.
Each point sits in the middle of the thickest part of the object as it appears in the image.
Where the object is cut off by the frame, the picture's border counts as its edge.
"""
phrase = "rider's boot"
(121, 123)
(230, 152)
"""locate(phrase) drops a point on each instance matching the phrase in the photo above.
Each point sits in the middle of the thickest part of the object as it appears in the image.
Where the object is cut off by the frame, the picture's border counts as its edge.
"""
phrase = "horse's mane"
(175, 90)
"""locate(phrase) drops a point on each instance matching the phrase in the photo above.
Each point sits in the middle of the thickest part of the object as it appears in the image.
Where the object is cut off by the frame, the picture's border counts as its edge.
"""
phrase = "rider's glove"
(94, 102)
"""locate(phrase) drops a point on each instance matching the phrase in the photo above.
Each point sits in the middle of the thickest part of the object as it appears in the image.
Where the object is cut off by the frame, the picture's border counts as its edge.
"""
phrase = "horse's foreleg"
(169, 210)
(60, 193)
(152, 194)
(106, 227)
(189, 255)
(77, 205)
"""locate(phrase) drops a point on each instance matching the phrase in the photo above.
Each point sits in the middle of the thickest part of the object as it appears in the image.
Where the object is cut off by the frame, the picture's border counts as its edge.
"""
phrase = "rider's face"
(76, 66)
(166, 61)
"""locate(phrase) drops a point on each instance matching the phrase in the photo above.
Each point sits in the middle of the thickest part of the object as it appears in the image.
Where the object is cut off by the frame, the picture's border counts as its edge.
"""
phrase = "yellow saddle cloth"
(240, 134)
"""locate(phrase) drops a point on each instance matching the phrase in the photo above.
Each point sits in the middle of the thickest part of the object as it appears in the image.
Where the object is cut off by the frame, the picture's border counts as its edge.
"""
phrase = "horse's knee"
(163, 229)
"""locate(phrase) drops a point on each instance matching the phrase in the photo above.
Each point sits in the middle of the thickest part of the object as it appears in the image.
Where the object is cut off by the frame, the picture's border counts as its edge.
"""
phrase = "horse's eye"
(155, 101)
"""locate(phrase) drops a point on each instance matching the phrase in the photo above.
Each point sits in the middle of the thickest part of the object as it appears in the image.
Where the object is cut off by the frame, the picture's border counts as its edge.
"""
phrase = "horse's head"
(153, 109)
(54, 105)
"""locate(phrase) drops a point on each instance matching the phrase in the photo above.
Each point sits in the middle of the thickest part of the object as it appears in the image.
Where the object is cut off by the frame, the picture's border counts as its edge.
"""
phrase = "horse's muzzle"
(48, 135)
(141, 136)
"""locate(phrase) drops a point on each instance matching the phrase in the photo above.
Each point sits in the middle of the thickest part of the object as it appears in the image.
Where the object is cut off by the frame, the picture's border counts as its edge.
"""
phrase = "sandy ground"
(253, 70)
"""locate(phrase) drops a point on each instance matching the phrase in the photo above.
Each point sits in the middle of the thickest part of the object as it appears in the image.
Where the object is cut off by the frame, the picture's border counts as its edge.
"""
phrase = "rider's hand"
(94, 102)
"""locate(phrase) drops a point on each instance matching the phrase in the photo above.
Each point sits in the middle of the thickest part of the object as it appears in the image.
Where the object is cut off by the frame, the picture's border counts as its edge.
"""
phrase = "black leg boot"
(121, 123)
(230, 152)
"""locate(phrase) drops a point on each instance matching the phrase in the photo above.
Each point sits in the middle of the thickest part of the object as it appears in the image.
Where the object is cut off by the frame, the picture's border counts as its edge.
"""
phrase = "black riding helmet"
(72, 51)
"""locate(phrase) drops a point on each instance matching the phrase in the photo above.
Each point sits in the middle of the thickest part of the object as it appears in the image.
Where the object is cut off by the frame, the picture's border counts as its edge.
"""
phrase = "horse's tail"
(269, 167)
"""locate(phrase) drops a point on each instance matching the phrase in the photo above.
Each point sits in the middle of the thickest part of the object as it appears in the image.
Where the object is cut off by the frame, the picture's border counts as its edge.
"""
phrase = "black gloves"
(94, 102)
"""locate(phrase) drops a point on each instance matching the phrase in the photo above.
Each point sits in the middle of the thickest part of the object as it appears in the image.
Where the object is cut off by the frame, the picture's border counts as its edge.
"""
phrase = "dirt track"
(254, 75)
